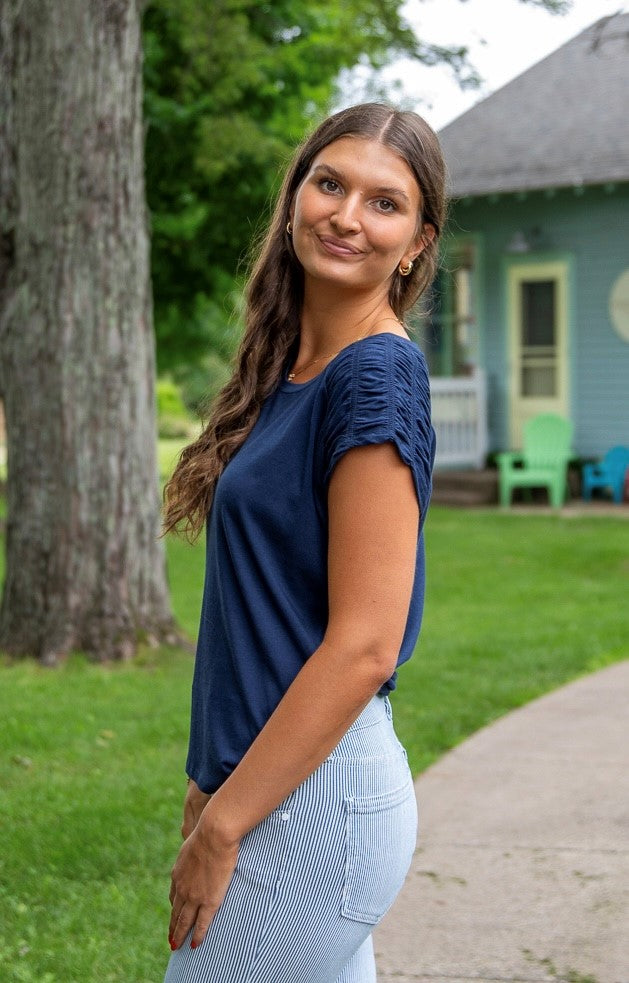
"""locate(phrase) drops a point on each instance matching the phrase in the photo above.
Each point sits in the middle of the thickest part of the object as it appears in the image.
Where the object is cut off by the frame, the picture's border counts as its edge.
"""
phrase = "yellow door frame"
(521, 407)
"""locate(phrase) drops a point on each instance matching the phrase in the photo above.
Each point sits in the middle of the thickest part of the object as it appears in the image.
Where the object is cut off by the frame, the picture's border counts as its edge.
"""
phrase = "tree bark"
(85, 567)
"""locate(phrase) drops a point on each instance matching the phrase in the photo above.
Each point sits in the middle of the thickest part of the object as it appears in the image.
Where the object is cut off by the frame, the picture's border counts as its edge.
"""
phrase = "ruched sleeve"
(378, 392)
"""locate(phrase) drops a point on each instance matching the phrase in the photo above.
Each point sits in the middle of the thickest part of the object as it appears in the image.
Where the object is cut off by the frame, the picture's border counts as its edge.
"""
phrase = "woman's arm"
(373, 527)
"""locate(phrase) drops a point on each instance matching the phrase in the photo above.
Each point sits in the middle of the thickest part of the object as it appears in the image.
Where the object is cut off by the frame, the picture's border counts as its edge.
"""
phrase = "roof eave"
(578, 187)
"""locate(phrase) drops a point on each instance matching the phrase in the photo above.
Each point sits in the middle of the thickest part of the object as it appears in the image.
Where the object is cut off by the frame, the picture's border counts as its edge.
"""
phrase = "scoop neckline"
(288, 386)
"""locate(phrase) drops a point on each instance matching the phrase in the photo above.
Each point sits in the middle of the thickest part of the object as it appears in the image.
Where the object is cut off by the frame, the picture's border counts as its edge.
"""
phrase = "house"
(530, 312)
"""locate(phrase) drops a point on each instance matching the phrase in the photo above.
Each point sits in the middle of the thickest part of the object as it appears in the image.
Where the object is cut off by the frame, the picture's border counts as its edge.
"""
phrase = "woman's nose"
(347, 215)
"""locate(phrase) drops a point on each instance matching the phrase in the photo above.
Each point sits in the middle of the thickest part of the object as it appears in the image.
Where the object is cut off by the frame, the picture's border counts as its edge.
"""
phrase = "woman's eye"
(385, 205)
(327, 184)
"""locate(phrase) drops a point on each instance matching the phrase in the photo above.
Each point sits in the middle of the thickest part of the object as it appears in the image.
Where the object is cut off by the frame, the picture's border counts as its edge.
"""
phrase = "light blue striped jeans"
(316, 875)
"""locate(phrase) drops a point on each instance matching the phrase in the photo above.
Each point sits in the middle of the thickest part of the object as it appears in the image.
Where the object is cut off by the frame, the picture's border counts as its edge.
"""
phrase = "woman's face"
(355, 215)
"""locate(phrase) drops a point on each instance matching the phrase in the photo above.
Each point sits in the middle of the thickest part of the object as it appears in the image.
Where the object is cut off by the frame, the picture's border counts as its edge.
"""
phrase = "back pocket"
(380, 840)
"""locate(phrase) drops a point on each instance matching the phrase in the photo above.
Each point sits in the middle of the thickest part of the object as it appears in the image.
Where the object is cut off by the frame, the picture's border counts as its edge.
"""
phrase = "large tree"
(85, 566)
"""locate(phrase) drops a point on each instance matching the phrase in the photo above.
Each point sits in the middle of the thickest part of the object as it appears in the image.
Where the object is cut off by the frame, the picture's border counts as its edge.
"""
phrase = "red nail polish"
(173, 946)
(193, 945)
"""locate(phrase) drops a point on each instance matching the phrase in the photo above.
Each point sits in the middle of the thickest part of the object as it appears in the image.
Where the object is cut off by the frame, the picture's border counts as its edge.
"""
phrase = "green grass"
(92, 773)
(516, 606)
(91, 758)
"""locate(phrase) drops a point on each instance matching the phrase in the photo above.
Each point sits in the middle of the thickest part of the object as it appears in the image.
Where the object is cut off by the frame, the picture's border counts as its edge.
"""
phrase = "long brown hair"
(274, 299)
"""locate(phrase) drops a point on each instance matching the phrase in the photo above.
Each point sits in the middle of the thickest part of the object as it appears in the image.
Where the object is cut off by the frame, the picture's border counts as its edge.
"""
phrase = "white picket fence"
(459, 416)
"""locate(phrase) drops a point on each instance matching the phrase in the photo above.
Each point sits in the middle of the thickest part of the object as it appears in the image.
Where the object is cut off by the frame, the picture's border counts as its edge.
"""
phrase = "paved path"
(522, 867)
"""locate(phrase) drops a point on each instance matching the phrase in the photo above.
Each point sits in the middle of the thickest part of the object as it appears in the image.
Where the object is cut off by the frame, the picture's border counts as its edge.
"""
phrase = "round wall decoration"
(619, 305)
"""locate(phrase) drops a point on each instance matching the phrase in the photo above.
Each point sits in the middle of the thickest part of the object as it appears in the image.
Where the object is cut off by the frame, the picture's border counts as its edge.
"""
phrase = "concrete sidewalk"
(522, 866)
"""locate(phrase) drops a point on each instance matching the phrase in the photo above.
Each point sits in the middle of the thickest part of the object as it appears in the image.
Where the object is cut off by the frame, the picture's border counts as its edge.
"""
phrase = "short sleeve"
(378, 392)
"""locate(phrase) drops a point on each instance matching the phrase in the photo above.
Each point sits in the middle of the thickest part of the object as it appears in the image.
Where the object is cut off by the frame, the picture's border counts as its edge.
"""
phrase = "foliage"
(515, 607)
(173, 418)
(169, 401)
(552, 6)
(201, 382)
(175, 427)
(188, 329)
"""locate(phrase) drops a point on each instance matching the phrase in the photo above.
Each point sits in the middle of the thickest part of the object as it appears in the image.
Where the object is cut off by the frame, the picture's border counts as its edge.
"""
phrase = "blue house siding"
(591, 230)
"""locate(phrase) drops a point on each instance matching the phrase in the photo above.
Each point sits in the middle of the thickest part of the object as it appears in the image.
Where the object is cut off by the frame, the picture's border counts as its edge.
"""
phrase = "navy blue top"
(265, 600)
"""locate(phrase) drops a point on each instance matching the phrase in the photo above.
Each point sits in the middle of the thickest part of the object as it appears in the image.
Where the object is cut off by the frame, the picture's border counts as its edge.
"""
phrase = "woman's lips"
(337, 247)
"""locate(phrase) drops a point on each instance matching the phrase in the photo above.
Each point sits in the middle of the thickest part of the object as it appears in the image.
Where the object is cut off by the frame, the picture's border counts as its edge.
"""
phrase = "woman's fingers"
(205, 914)
(199, 882)
(182, 919)
(172, 927)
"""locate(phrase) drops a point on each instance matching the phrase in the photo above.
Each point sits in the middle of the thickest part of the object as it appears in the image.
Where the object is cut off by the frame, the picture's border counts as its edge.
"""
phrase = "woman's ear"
(426, 236)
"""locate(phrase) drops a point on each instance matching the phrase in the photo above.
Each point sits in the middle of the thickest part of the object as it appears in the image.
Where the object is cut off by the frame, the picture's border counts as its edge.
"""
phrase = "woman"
(300, 820)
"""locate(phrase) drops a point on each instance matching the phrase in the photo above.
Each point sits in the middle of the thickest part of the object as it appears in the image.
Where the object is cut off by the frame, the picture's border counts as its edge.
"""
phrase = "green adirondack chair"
(543, 463)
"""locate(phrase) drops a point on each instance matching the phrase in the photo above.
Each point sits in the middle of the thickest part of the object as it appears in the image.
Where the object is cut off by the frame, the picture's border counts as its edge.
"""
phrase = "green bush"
(173, 418)
(176, 426)
(201, 383)
(169, 399)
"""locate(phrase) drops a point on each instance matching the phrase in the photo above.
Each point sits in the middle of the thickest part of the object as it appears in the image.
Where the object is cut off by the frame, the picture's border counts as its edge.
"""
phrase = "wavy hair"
(274, 298)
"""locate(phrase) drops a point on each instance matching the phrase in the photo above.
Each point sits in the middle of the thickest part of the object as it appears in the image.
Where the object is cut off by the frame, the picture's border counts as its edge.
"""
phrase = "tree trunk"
(85, 567)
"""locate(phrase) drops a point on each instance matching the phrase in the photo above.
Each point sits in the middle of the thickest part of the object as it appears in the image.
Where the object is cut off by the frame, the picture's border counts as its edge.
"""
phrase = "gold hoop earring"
(289, 228)
(405, 270)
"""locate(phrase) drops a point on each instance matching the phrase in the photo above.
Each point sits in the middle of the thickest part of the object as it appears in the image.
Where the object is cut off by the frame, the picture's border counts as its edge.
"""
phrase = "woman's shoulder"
(383, 359)
(377, 391)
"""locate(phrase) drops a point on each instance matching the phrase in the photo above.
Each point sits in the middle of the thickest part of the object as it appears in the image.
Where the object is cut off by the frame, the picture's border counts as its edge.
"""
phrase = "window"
(538, 342)
(446, 320)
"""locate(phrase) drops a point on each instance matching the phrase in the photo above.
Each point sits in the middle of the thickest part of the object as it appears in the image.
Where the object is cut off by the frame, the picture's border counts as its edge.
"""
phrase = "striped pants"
(316, 875)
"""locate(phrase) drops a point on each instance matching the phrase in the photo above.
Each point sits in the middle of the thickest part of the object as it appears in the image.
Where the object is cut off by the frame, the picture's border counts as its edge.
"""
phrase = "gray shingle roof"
(563, 122)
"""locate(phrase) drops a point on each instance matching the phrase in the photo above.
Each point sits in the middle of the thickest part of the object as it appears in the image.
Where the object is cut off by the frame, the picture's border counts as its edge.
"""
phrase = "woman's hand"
(194, 804)
(199, 883)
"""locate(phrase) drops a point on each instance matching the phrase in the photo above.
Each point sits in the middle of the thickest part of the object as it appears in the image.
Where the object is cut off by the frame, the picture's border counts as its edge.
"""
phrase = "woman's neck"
(330, 323)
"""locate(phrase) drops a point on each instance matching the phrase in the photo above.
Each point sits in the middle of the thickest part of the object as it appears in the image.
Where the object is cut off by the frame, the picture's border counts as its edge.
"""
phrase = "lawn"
(91, 758)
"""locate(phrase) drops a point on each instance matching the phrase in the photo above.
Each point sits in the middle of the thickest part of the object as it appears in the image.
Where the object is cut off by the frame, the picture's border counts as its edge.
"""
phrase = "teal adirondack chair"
(543, 463)
(608, 473)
